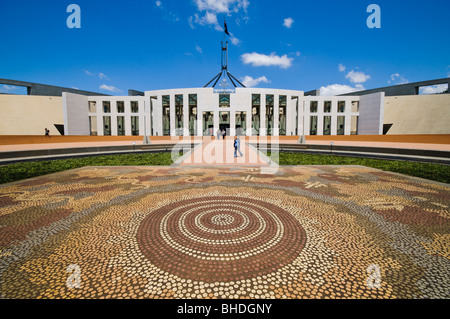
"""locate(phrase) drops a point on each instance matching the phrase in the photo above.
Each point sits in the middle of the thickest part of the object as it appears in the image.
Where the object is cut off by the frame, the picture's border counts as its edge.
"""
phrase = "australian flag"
(225, 27)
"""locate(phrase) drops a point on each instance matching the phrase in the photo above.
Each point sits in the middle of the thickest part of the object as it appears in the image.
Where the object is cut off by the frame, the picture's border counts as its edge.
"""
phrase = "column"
(262, 120)
(185, 114)
(276, 115)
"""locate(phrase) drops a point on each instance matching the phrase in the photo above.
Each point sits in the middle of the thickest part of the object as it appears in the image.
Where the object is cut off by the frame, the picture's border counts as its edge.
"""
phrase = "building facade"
(204, 111)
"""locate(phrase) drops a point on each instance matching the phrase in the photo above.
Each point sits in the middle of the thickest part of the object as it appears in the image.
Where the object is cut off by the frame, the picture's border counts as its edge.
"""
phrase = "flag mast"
(224, 61)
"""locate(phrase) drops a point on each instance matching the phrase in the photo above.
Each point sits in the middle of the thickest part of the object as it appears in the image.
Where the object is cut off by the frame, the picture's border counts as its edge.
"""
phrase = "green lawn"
(436, 172)
(18, 171)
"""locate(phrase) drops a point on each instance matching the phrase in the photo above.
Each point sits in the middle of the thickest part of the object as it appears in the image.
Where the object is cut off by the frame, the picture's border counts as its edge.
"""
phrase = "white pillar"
(185, 114)
(276, 115)
(262, 120)
(172, 114)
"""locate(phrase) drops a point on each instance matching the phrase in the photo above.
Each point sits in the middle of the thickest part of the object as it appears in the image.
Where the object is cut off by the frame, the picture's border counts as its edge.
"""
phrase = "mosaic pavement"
(165, 232)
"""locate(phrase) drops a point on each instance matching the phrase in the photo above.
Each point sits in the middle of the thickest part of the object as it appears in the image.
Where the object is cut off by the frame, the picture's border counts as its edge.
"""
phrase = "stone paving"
(225, 232)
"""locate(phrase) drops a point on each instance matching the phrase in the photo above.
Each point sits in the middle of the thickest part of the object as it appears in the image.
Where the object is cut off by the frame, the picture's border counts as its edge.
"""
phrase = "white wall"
(371, 113)
(305, 104)
(30, 114)
(418, 114)
(143, 110)
(76, 116)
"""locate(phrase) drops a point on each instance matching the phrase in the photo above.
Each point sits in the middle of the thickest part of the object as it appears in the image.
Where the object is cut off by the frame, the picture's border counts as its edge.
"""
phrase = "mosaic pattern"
(181, 232)
(226, 238)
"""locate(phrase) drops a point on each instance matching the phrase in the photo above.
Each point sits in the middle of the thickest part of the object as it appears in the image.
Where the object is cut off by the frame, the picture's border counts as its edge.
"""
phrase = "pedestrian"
(219, 133)
(47, 132)
(237, 146)
(223, 133)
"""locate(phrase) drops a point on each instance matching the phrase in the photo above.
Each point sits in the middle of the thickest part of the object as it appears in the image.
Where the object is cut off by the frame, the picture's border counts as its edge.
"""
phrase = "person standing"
(219, 133)
(223, 133)
(237, 146)
(47, 132)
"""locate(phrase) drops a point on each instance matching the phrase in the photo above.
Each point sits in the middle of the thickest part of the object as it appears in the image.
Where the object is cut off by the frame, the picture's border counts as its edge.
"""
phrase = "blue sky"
(149, 44)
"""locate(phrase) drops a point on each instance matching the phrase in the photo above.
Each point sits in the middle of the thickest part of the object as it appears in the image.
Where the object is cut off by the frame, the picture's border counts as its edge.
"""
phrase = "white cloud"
(337, 89)
(109, 88)
(213, 7)
(191, 22)
(357, 77)
(222, 6)
(341, 67)
(298, 53)
(103, 76)
(288, 22)
(234, 40)
(88, 73)
(257, 59)
(250, 82)
(397, 77)
(199, 49)
(210, 18)
(433, 89)
(8, 88)
(158, 3)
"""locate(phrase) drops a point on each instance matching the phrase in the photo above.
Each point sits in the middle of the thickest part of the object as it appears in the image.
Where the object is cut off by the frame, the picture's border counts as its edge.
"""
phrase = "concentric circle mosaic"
(226, 238)
(231, 232)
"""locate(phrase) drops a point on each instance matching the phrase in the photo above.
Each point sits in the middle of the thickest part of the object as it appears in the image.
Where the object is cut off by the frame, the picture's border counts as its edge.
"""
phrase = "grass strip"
(18, 171)
(431, 171)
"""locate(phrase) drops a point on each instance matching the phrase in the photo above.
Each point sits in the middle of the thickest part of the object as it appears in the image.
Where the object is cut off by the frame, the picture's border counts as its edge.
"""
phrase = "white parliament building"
(237, 110)
(203, 111)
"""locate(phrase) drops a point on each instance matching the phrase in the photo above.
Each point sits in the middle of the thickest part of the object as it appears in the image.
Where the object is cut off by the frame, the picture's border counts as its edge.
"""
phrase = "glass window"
(153, 104)
(296, 114)
(208, 123)
(166, 114)
(93, 125)
(179, 115)
(135, 125)
(354, 127)
(313, 125)
(355, 106)
(121, 125)
(134, 107)
(327, 107)
(327, 125)
(340, 125)
(241, 123)
(193, 114)
(313, 107)
(92, 107)
(269, 114)
(107, 125)
(224, 100)
(120, 107)
(282, 115)
(106, 107)
(341, 106)
(256, 114)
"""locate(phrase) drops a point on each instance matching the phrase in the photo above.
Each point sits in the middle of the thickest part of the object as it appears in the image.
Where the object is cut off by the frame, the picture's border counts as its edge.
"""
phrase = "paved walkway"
(221, 152)
(225, 232)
